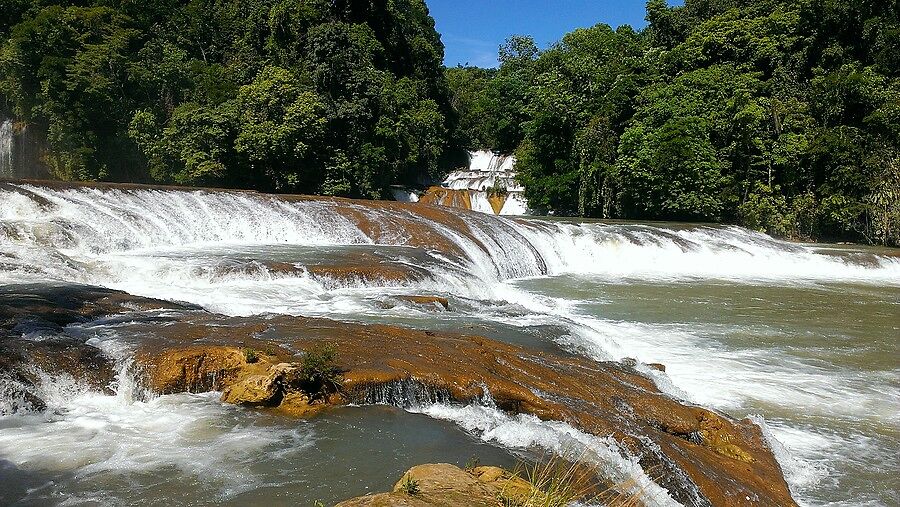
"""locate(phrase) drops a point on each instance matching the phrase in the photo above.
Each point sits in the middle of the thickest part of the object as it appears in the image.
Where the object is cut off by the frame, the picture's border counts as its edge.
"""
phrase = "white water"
(6, 144)
(88, 226)
(488, 171)
(182, 245)
(523, 431)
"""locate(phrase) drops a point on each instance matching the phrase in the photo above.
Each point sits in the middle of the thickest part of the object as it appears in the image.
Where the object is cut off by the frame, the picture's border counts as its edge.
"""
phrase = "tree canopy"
(782, 115)
(341, 97)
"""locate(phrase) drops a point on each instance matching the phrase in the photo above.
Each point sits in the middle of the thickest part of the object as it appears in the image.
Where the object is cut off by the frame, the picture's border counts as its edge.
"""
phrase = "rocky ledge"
(302, 365)
(444, 485)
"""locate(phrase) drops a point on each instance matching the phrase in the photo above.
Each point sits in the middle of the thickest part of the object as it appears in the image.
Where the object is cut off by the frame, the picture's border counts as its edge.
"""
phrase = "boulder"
(438, 485)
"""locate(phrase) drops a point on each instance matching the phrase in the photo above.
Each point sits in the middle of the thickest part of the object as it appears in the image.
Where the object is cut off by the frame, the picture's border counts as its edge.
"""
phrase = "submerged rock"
(432, 301)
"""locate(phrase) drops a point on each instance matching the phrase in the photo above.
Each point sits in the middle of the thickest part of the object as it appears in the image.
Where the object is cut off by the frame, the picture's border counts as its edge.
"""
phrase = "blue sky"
(473, 29)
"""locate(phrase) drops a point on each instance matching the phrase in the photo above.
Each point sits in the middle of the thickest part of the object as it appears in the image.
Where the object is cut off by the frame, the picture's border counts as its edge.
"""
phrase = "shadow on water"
(340, 454)
(21, 488)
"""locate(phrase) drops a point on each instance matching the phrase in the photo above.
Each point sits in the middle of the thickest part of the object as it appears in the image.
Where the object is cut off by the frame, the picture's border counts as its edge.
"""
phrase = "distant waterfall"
(6, 144)
(488, 185)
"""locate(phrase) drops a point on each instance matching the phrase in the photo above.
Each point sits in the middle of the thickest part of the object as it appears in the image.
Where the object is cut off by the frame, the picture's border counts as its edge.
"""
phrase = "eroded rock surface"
(32, 341)
(701, 457)
(443, 485)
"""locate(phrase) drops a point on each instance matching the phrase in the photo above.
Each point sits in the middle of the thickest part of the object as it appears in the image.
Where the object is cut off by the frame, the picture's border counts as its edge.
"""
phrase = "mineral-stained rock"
(701, 457)
(251, 390)
(439, 485)
(434, 301)
(444, 485)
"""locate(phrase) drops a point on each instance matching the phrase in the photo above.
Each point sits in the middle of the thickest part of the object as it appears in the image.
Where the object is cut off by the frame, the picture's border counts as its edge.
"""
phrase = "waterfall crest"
(64, 232)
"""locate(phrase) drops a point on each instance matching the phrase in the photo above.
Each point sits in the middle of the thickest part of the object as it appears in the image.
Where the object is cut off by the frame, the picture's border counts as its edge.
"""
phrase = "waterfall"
(6, 144)
(70, 234)
(488, 185)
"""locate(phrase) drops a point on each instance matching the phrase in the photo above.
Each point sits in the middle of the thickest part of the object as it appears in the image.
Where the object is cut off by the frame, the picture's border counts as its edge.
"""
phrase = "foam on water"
(85, 225)
(157, 243)
(524, 431)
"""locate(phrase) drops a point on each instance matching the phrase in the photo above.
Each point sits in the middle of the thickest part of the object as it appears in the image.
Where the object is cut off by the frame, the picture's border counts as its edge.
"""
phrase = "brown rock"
(439, 485)
(297, 404)
(433, 301)
(251, 390)
(698, 455)
(443, 485)
(509, 486)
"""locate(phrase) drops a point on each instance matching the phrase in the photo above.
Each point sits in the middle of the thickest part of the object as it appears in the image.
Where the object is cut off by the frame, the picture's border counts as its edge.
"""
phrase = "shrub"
(410, 486)
(319, 373)
(766, 210)
(251, 356)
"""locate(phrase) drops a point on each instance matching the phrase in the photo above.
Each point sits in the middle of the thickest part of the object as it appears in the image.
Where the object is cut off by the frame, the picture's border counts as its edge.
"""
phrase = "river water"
(801, 338)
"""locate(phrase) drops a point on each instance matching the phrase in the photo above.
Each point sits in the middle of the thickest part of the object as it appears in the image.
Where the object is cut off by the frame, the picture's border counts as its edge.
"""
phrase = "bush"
(410, 486)
(319, 373)
(766, 210)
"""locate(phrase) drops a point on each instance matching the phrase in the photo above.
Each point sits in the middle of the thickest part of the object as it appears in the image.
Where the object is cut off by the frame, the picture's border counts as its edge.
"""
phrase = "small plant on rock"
(319, 373)
(472, 463)
(559, 482)
(251, 356)
(410, 486)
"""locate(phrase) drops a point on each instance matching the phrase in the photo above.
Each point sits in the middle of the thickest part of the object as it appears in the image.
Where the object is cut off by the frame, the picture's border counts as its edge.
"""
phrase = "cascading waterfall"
(488, 185)
(67, 234)
(242, 253)
(6, 146)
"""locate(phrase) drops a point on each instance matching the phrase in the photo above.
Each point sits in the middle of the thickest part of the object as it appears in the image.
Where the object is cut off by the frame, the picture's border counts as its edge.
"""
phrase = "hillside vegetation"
(780, 115)
(339, 97)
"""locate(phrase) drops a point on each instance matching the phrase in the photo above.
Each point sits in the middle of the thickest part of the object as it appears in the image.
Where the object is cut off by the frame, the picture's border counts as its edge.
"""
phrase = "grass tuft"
(557, 482)
(410, 486)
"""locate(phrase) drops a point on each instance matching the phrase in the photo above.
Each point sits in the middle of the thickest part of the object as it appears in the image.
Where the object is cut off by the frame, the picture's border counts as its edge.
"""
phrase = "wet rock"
(700, 456)
(432, 301)
(438, 485)
(34, 344)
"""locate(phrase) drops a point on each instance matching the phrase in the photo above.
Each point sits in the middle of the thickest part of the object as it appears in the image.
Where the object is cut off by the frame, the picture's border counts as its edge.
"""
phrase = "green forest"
(780, 115)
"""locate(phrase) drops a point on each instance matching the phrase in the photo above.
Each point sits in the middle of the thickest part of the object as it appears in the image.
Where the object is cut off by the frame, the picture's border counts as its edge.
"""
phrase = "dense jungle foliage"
(781, 115)
(340, 97)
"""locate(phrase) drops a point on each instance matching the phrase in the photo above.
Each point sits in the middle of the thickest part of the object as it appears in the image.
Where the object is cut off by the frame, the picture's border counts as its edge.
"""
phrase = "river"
(801, 338)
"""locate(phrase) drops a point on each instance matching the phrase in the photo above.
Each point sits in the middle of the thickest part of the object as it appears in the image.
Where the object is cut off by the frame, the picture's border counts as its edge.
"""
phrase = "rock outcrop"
(701, 457)
(445, 485)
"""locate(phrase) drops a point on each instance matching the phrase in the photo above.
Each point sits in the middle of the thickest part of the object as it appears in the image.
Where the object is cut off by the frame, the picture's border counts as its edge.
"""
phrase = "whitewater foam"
(152, 243)
(525, 431)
